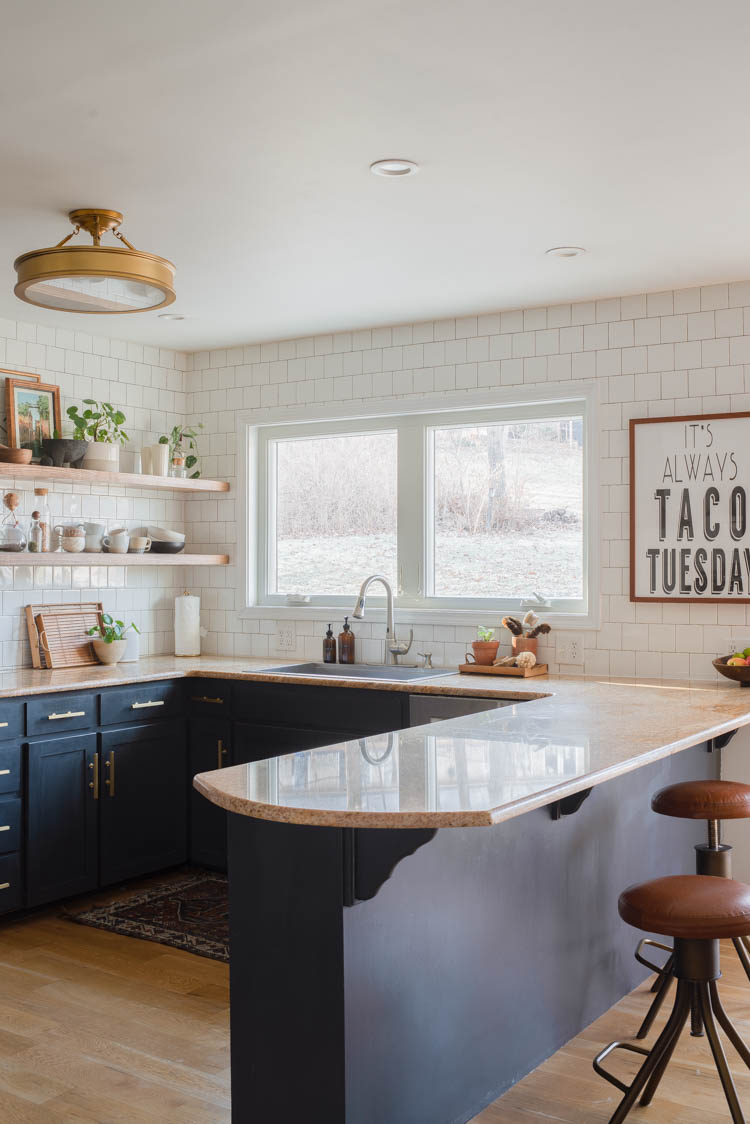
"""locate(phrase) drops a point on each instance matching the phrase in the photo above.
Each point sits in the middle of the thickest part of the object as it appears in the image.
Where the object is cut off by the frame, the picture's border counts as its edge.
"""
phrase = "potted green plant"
(183, 450)
(111, 642)
(101, 424)
(485, 648)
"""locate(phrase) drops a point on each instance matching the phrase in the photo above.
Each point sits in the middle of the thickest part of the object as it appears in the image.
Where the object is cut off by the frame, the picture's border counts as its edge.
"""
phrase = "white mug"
(94, 536)
(117, 542)
(139, 544)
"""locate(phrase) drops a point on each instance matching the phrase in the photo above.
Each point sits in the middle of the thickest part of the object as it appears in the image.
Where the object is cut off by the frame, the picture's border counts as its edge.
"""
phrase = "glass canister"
(44, 519)
(12, 535)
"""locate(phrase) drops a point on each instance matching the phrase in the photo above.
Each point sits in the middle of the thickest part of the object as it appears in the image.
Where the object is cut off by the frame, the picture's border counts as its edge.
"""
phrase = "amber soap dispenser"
(346, 644)
(329, 647)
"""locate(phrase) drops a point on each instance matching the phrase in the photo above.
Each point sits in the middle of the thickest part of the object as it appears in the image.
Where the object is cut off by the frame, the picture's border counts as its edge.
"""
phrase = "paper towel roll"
(187, 625)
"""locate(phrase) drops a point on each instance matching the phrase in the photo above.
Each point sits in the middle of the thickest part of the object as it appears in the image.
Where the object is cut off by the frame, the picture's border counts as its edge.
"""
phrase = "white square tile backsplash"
(686, 351)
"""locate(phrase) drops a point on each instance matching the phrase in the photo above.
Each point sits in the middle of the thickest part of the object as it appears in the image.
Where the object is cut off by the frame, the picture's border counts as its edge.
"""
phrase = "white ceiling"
(236, 138)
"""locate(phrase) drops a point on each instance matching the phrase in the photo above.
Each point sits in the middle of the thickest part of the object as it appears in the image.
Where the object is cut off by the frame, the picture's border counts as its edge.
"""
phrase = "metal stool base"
(696, 970)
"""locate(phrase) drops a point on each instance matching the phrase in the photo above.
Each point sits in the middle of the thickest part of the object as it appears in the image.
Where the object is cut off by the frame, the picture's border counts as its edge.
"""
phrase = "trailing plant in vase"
(182, 446)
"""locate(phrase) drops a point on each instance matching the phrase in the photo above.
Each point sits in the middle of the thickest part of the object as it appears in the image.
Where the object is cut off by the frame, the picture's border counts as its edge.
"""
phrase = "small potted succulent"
(485, 648)
(111, 642)
(525, 632)
(101, 423)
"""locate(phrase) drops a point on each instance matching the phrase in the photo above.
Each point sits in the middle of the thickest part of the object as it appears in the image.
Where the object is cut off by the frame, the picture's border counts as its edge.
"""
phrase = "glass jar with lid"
(12, 534)
(43, 519)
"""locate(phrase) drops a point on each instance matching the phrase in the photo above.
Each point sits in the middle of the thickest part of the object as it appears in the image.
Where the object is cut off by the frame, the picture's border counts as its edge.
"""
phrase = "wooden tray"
(489, 669)
(57, 633)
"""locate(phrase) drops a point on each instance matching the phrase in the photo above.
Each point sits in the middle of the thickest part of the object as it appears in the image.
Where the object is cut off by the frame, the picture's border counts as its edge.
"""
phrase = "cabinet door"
(143, 804)
(63, 795)
(208, 742)
(253, 742)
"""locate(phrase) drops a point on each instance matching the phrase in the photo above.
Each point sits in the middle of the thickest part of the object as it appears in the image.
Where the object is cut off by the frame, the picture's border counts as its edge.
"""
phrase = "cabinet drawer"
(11, 718)
(10, 883)
(141, 702)
(56, 714)
(321, 707)
(10, 825)
(10, 768)
(210, 697)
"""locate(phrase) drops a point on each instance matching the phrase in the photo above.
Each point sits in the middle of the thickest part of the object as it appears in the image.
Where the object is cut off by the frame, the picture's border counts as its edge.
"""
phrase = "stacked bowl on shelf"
(164, 541)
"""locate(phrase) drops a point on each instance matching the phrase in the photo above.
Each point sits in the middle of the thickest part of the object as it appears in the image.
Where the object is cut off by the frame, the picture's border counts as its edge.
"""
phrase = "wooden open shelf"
(62, 558)
(39, 472)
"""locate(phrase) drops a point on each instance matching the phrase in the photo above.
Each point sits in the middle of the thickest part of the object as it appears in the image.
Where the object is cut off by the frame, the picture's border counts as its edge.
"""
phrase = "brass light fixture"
(95, 279)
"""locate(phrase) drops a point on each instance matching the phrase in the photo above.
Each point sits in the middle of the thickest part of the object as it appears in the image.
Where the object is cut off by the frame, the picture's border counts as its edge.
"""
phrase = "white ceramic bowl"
(162, 534)
(73, 543)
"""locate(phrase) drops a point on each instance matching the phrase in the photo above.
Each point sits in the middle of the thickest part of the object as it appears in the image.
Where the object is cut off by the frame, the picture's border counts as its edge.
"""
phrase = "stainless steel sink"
(387, 673)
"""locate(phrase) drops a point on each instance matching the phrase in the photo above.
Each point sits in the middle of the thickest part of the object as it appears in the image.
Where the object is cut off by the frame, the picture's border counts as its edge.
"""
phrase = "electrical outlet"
(286, 638)
(568, 648)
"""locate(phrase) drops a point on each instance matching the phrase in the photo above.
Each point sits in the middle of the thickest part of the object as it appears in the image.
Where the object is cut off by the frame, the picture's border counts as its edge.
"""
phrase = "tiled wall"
(148, 385)
(656, 354)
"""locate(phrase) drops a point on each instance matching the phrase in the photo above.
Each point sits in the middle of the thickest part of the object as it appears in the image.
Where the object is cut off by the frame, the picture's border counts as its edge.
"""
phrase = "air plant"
(530, 627)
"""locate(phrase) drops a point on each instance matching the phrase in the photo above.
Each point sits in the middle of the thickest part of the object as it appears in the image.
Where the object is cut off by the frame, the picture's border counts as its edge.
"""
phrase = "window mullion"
(410, 510)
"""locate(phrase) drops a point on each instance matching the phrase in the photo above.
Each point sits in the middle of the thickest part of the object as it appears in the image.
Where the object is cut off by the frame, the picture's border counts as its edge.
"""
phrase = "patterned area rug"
(189, 911)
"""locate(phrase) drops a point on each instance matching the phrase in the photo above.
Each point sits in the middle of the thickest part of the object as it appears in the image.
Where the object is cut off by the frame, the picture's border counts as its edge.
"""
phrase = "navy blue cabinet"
(63, 792)
(209, 747)
(143, 806)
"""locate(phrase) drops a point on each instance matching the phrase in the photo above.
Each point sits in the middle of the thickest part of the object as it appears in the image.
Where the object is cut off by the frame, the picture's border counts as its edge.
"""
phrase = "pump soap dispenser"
(329, 647)
(346, 644)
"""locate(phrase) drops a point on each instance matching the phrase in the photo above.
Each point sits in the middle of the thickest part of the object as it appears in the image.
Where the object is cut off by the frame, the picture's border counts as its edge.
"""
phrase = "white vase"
(160, 460)
(133, 649)
(109, 653)
(102, 457)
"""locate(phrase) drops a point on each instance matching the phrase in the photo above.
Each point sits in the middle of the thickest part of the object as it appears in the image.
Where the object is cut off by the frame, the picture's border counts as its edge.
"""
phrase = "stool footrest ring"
(606, 1052)
(647, 942)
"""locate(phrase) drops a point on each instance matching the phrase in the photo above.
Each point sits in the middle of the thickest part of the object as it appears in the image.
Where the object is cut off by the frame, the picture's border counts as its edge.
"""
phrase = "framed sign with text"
(689, 479)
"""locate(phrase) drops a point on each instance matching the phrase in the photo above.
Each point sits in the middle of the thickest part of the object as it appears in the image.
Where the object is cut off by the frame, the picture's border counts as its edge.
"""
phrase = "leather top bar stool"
(697, 911)
(712, 801)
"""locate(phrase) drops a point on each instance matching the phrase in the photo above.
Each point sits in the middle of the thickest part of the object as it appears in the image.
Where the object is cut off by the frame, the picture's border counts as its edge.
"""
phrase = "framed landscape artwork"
(689, 478)
(33, 412)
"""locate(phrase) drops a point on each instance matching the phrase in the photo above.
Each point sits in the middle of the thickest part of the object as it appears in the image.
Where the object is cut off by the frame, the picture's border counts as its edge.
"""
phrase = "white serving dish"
(162, 534)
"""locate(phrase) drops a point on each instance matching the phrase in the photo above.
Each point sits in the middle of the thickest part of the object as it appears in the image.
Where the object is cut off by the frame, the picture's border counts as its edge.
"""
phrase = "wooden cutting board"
(57, 633)
(489, 669)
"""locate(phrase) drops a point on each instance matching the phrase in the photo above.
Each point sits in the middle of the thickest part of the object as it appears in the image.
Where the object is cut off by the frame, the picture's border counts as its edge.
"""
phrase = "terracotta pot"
(524, 644)
(485, 651)
(109, 653)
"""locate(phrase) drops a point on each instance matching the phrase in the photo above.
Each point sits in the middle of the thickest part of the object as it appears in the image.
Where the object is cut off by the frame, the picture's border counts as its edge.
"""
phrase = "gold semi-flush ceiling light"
(103, 279)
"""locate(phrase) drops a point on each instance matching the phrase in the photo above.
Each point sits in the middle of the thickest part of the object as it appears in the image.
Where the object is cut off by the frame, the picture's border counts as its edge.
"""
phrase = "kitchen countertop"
(571, 734)
(479, 770)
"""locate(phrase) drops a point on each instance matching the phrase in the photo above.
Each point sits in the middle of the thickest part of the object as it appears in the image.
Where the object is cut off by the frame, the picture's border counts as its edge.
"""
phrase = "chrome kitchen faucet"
(394, 647)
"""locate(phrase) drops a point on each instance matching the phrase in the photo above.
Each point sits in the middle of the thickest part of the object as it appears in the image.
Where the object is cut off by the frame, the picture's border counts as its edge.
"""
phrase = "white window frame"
(257, 428)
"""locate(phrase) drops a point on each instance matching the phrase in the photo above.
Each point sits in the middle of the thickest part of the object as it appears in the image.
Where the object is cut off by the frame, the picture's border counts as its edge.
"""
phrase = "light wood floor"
(101, 1029)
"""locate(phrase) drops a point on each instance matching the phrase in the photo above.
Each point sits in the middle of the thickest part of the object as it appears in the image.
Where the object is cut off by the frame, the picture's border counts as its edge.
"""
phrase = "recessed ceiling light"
(171, 316)
(565, 252)
(394, 168)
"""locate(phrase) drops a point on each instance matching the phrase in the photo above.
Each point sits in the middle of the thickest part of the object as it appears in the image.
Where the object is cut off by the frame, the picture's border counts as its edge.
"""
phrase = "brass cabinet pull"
(5, 827)
(3, 724)
(4, 772)
(141, 706)
(220, 753)
(4, 885)
(206, 698)
(94, 782)
(68, 714)
(110, 781)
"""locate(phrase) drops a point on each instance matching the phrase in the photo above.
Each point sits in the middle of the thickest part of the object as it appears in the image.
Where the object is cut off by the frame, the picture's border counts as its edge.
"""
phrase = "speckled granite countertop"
(475, 771)
(571, 734)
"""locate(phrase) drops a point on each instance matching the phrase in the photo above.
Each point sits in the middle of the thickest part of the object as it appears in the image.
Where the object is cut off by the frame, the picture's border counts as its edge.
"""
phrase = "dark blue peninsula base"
(482, 953)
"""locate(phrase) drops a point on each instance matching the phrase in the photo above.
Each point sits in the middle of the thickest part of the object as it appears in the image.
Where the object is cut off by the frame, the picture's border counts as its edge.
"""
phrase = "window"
(460, 509)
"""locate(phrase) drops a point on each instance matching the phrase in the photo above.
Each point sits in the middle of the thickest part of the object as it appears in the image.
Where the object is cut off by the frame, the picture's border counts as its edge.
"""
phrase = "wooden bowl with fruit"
(736, 667)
